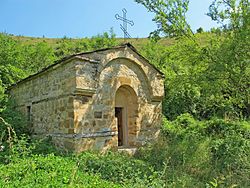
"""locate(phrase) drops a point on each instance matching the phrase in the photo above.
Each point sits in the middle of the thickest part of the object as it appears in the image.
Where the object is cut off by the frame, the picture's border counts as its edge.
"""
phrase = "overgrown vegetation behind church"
(205, 140)
(207, 80)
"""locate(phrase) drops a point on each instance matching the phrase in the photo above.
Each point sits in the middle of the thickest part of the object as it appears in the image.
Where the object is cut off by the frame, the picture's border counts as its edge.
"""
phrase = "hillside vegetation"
(189, 153)
(204, 142)
(205, 135)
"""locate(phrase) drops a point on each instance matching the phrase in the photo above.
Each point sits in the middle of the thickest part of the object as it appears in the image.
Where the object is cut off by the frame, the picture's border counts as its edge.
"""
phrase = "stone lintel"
(85, 135)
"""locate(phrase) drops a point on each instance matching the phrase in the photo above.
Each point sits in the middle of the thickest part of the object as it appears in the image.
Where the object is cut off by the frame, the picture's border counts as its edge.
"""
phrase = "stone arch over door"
(125, 67)
(126, 113)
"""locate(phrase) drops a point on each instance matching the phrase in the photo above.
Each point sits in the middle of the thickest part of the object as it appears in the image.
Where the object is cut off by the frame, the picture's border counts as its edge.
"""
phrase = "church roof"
(76, 55)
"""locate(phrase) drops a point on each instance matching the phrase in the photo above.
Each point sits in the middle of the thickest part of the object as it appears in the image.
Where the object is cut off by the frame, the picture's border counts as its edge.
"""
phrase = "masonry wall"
(49, 96)
(75, 101)
(95, 114)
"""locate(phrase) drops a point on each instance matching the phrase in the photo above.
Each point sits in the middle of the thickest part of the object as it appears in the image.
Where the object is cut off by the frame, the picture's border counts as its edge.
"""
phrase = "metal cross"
(125, 22)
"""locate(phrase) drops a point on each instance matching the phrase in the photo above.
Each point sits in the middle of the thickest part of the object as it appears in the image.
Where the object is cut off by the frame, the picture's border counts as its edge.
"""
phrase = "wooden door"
(118, 115)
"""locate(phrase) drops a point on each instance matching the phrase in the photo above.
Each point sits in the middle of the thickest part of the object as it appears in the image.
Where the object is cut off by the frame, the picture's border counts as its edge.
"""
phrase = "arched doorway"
(126, 112)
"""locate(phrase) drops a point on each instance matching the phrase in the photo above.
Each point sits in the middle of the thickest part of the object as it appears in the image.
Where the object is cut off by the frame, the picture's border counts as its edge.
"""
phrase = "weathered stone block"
(82, 99)
(71, 131)
(98, 115)
(124, 80)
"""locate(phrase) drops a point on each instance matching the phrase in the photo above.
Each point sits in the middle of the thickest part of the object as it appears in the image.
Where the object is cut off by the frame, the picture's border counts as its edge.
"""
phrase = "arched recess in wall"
(126, 113)
(138, 71)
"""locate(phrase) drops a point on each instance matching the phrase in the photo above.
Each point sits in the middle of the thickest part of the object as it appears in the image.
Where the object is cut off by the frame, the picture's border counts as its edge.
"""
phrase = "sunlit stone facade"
(106, 99)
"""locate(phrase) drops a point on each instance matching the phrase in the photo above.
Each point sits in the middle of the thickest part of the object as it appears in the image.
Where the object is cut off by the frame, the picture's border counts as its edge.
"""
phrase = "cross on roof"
(125, 22)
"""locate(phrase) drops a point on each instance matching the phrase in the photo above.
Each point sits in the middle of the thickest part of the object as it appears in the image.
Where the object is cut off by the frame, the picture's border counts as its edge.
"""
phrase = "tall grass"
(189, 153)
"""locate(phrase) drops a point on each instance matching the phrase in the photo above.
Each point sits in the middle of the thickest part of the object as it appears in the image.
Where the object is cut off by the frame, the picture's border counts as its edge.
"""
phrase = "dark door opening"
(118, 115)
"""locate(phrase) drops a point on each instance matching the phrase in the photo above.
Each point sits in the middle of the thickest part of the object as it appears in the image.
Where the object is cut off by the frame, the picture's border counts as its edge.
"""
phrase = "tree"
(200, 30)
(37, 56)
(212, 79)
(216, 31)
(11, 60)
(170, 16)
(233, 57)
(231, 14)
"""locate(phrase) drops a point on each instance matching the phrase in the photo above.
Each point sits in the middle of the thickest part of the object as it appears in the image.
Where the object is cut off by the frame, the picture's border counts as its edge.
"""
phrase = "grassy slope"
(137, 42)
(203, 38)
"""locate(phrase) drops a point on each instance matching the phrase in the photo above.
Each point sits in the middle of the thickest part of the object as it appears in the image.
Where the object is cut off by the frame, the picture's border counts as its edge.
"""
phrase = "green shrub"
(120, 168)
(194, 153)
(48, 171)
(189, 153)
(14, 118)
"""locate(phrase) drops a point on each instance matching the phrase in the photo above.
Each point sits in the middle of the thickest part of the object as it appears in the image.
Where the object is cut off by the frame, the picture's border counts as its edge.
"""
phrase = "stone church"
(104, 99)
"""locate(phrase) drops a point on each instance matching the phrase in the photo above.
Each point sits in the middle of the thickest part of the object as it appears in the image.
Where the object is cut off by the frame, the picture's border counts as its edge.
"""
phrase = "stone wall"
(96, 113)
(75, 101)
(49, 97)
(153, 77)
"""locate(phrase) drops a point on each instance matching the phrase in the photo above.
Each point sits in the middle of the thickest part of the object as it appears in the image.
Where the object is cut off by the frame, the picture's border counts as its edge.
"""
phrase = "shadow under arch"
(126, 113)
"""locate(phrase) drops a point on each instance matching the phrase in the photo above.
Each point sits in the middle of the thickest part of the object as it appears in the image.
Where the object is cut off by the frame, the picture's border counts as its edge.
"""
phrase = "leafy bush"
(48, 171)
(194, 153)
(67, 46)
(118, 168)
(189, 153)
(24, 167)
(14, 118)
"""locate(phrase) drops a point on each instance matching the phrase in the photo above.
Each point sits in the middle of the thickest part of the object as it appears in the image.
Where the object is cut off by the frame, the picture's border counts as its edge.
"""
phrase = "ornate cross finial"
(125, 22)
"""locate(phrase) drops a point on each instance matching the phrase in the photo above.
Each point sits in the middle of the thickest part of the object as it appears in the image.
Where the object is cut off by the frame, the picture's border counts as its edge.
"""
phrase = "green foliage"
(169, 16)
(216, 31)
(204, 79)
(189, 153)
(120, 169)
(194, 153)
(67, 46)
(232, 57)
(11, 61)
(106, 40)
(200, 30)
(12, 117)
(28, 163)
(2, 96)
(37, 56)
(232, 14)
(183, 64)
(48, 171)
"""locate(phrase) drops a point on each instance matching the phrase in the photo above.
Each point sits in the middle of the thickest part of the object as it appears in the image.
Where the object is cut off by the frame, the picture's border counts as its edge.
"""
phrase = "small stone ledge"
(156, 98)
(84, 92)
(85, 135)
